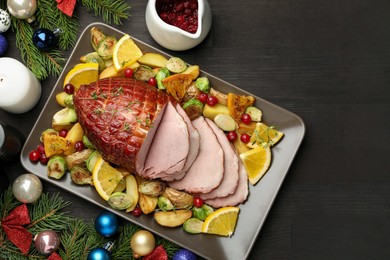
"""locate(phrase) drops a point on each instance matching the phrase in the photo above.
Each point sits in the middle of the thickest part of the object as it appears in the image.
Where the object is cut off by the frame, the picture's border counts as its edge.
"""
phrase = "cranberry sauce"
(180, 13)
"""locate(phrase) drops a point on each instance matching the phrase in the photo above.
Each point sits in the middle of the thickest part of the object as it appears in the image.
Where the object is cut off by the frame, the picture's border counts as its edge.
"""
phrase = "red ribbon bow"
(12, 226)
(66, 6)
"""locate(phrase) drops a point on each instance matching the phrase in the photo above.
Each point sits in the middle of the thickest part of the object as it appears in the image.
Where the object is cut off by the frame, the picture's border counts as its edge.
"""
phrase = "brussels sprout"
(143, 73)
(203, 84)
(97, 36)
(120, 200)
(162, 74)
(92, 160)
(78, 158)
(176, 65)
(106, 47)
(68, 101)
(193, 108)
(180, 199)
(207, 209)
(80, 175)
(94, 58)
(193, 226)
(64, 118)
(56, 167)
(199, 213)
(88, 143)
(152, 188)
(164, 204)
(255, 113)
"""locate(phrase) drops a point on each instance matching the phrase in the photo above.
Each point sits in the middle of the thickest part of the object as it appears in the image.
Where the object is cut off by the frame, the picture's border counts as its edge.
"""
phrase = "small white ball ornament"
(5, 21)
(22, 9)
(142, 243)
(27, 188)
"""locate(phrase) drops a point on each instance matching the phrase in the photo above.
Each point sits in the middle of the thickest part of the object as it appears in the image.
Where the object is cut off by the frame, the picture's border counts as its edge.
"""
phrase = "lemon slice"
(256, 162)
(264, 135)
(125, 52)
(83, 73)
(221, 222)
(105, 178)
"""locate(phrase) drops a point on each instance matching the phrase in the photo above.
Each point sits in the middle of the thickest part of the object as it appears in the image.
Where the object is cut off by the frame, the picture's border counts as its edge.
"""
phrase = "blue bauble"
(107, 224)
(3, 44)
(44, 39)
(184, 254)
(99, 254)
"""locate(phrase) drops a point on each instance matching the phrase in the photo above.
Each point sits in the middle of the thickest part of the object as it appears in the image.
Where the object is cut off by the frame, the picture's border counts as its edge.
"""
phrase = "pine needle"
(112, 11)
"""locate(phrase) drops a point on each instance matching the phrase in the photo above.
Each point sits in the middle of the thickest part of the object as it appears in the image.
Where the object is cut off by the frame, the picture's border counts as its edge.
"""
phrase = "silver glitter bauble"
(47, 242)
(5, 21)
(27, 188)
(22, 9)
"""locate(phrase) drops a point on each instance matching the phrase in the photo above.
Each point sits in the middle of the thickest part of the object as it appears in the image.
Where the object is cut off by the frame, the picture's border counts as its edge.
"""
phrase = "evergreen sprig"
(44, 64)
(77, 237)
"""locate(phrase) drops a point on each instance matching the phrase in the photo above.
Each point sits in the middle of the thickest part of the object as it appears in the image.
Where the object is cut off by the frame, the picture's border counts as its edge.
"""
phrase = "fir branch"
(7, 202)
(122, 249)
(78, 240)
(112, 11)
(50, 17)
(46, 214)
(169, 247)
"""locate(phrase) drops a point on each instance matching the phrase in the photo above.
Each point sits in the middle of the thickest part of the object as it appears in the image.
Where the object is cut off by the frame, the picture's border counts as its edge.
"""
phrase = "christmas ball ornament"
(45, 39)
(184, 254)
(142, 243)
(99, 254)
(3, 44)
(27, 188)
(107, 224)
(5, 21)
(22, 9)
(47, 242)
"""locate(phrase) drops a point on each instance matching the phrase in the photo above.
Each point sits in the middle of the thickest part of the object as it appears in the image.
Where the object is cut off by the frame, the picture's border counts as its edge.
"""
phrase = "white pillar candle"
(20, 90)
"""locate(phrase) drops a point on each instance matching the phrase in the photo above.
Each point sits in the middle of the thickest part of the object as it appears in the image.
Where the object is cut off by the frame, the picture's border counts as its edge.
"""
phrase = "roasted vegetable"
(120, 200)
(60, 98)
(88, 143)
(75, 134)
(56, 167)
(162, 74)
(172, 218)
(97, 36)
(193, 226)
(152, 187)
(80, 175)
(64, 119)
(165, 204)
(193, 108)
(132, 191)
(176, 65)
(78, 158)
(237, 105)
(143, 73)
(203, 84)
(68, 101)
(147, 203)
(193, 70)
(91, 161)
(177, 85)
(95, 58)
(106, 47)
(192, 92)
(53, 143)
(154, 60)
(180, 199)
(225, 122)
(255, 113)
(212, 111)
(222, 97)
(199, 213)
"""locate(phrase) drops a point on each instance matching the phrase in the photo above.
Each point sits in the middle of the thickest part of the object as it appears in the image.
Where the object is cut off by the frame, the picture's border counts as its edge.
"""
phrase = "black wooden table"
(329, 63)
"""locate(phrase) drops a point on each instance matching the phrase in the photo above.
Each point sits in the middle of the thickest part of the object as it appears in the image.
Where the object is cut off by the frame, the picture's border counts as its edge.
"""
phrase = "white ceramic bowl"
(172, 37)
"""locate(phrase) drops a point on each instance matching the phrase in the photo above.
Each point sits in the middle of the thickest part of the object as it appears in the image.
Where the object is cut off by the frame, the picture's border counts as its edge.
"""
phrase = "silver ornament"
(27, 188)
(22, 9)
(47, 242)
(5, 21)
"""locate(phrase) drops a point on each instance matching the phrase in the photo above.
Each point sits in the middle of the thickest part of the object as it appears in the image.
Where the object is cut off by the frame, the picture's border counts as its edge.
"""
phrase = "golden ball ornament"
(142, 243)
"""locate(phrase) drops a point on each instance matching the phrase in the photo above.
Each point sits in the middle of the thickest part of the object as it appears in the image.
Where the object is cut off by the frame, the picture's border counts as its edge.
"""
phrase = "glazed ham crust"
(118, 115)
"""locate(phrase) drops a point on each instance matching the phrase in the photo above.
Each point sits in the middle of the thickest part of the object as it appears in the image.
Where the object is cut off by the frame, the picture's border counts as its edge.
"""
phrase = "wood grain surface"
(329, 63)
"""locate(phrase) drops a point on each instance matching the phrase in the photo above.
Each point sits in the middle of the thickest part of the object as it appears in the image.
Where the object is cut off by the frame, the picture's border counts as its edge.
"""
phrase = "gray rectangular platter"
(253, 212)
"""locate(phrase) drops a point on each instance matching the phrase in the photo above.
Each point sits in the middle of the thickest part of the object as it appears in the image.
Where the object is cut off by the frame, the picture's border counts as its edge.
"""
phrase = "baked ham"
(206, 172)
(120, 117)
(170, 147)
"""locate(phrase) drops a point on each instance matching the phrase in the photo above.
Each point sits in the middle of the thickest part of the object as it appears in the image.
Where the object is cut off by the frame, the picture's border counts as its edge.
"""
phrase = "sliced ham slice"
(239, 196)
(230, 177)
(170, 147)
(194, 147)
(206, 173)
